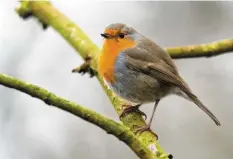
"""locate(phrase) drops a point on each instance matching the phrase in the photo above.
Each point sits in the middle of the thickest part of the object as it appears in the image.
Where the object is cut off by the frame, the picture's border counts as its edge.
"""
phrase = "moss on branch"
(111, 127)
(204, 50)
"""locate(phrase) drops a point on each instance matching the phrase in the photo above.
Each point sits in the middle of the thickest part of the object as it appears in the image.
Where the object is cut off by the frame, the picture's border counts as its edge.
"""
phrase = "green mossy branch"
(203, 50)
(111, 127)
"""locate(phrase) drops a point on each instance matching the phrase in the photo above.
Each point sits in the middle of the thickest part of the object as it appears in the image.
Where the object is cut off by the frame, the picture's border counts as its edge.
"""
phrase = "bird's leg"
(147, 128)
(133, 109)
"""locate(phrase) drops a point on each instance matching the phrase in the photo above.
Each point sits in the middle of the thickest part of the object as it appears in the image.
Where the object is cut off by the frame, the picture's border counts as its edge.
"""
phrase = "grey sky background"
(29, 129)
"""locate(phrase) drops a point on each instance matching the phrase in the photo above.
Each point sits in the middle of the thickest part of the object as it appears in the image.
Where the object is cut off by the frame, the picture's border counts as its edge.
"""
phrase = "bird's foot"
(133, 109)
(140, 130)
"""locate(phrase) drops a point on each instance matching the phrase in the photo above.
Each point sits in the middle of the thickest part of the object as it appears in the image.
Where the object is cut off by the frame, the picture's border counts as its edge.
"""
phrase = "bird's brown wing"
(142, 60)
(158, 52)
(152, 53)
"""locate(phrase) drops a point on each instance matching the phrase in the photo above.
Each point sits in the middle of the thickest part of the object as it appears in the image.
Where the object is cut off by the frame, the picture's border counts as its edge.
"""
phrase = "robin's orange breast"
(110, 51)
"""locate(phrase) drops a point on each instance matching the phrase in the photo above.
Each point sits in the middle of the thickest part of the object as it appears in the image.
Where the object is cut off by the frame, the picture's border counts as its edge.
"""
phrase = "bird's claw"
(133, 109)
(140, 130)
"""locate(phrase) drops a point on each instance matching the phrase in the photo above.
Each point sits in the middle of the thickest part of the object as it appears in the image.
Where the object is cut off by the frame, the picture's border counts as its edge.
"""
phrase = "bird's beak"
(105, 35)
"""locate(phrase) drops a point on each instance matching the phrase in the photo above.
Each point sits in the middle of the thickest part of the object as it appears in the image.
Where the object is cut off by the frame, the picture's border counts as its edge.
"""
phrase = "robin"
(140, 71)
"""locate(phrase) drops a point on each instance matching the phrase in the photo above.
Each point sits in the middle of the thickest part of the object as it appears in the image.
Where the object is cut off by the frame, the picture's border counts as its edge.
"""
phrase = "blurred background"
(29, 129)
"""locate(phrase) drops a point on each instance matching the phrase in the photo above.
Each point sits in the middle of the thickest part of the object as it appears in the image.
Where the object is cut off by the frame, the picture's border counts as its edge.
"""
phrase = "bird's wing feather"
(145, 62)
(150, 52)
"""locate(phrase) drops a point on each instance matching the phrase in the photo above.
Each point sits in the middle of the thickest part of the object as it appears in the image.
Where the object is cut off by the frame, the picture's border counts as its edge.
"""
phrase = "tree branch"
(204, 50)
(111, 127)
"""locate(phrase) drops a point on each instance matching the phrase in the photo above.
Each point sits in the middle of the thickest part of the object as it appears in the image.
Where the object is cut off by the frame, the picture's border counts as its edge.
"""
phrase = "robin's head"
(120, 35)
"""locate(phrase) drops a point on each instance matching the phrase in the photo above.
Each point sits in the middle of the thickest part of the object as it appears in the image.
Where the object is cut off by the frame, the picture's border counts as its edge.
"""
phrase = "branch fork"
(85, 68)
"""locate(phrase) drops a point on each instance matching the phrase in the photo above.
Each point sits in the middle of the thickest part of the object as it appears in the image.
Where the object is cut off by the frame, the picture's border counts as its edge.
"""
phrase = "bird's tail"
(194, 99)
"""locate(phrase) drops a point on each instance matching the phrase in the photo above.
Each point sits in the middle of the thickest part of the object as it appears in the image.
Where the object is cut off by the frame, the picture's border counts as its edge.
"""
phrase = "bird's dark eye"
(121, 35)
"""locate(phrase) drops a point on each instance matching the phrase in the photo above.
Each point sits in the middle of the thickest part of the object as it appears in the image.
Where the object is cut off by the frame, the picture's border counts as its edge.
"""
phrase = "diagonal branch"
(110, 126)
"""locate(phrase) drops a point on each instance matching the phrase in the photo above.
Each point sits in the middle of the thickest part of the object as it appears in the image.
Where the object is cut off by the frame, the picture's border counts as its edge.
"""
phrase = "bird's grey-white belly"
(135, 86)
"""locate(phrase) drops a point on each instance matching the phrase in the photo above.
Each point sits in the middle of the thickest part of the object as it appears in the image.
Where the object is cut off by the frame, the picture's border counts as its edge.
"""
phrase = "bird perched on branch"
(140, 71)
